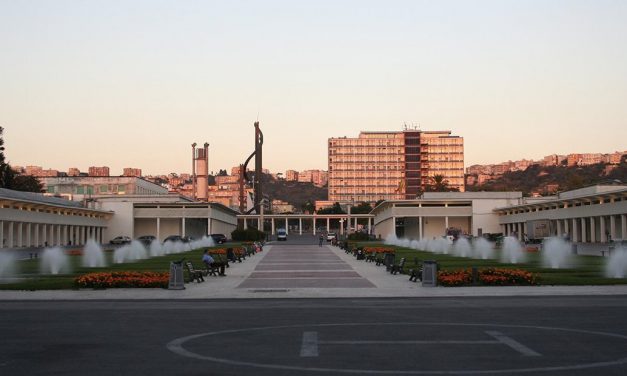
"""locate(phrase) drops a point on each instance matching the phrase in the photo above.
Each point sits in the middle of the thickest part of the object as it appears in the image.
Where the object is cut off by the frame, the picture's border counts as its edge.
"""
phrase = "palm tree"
(439, 184)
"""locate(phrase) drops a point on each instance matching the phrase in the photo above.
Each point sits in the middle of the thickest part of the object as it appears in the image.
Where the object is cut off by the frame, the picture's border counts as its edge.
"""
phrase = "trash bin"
(176, 276)
(429, 273)
(388, 260)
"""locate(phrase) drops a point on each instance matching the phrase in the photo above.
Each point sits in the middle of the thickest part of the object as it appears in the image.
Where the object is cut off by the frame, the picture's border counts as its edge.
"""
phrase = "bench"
(398, 268)
(415, 273)
(371, 257)
(194, 274)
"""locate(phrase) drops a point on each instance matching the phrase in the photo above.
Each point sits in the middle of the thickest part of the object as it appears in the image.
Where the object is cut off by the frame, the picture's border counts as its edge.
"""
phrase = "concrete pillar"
(574, 235)
(300, 226)
(159, 227)
(313, 220)
(583, 230)
(2, 242)
(355, 226)
(245, 223)
(36, 237)
(612, 227)
(445, 223)
(44, 234)
(272, 224)
(602, 229)
(394, 226)
(59, 235)
(29, 237)
(183, 226)
(519, 231)
(20, 234)
(559, 227)
(566, 228)
(328, 224)
(420, 233)
(593, 230)
(10, 239)
(66, 235)
(623, 226)
(287, 226)
(370, 225)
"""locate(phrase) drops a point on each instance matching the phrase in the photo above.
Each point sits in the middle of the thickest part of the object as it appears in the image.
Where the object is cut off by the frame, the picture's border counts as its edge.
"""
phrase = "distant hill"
(547, 180)
(293, 192)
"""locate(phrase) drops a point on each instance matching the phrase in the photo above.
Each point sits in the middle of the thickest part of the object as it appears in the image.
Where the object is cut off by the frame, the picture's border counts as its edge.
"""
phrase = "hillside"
(551, 179)
(293, 192)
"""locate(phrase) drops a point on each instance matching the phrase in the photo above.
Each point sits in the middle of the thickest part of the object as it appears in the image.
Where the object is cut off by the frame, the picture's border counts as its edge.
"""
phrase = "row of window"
(90, 189)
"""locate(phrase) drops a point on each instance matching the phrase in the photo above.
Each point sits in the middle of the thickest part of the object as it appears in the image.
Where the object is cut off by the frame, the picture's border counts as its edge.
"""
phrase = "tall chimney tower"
(201, 172)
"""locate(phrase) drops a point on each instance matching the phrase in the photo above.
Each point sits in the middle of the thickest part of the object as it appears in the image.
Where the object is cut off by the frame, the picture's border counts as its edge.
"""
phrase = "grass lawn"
(589, 270)
(29, 269)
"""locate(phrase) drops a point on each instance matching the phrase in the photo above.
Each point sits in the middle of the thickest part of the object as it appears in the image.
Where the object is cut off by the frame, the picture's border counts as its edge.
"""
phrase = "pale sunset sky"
(133, 83)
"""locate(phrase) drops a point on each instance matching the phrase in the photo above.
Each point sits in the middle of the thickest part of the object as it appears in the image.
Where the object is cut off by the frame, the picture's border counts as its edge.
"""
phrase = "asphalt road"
(549, 335)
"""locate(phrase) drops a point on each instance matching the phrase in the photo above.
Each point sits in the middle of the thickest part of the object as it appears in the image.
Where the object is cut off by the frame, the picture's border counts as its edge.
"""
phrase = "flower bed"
(379, 250)
(123, 279)
(487, 277)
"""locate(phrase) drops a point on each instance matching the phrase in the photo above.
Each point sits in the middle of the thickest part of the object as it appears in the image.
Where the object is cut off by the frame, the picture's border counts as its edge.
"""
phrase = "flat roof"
(39, 198)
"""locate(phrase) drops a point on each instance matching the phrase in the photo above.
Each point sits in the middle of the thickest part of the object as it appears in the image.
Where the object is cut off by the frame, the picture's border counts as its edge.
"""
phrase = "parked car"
(331, 236)
(281, 234)
(146, 239)
(174, 238)
(120, 240)
(219, 238)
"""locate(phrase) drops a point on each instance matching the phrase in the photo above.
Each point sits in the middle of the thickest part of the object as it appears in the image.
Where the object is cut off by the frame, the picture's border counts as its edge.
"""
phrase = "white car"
(281, 234)
(331, 236)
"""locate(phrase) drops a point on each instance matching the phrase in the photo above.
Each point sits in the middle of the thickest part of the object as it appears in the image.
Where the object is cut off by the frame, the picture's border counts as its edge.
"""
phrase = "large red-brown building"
(393, 165)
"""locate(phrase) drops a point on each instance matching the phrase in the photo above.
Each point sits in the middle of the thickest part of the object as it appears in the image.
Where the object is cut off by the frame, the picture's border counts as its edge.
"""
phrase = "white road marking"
(309, 347)
(502, 338)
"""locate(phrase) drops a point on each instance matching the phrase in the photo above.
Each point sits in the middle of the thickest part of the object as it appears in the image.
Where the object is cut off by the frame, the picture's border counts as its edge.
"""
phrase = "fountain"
(54, 261)
(482, 248)
(462, 248)
(8, 265)
(556, 253)
(130, 252)
(205, 242)
(512, 251)
(93, 256)
(156, 249)
(616, 266)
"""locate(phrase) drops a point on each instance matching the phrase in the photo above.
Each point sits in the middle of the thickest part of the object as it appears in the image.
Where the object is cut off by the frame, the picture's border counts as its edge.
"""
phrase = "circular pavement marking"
(176, 346)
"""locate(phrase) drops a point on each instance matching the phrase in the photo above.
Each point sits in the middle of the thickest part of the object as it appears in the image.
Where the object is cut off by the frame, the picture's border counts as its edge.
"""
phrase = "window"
(80, 190)
(104, 189)
(51, 189)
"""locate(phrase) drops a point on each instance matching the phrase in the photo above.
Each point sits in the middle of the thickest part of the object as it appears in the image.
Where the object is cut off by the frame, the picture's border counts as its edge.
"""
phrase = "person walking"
(320, 239)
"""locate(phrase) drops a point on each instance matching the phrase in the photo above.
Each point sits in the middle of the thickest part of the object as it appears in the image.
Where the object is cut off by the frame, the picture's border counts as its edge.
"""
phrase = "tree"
(378, 202)
(439, 184)
(11, 179)
(362, 208)
(308, 207)
(335, 209)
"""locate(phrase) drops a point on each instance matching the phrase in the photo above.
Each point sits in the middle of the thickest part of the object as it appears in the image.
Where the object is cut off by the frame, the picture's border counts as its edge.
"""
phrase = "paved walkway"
(303, 271)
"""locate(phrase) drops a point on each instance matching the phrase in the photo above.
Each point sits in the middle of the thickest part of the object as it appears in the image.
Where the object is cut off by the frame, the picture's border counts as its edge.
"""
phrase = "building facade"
(98, 171)
(392, 165)
(84, 187)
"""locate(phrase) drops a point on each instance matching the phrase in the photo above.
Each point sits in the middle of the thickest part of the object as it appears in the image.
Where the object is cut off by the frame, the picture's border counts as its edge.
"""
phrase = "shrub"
(487, 277)
(123, 279)
(359, 236)
(250, 234)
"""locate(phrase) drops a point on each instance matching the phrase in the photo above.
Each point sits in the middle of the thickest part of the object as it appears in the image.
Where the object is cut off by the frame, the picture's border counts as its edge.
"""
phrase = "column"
(559, 227)
(44, 234)
(602, 229)
(58, 235)
(71, 235)
(370, 225)
(313, 220)
(259, 224)
(159, 228)
(519, 231)
(272, 223)
(593, 231)
(612, 227)
(567, 229)
(286, 226)
(583, 230)
(623, 226)
(28, 235)
(245, 223)
(445, 223)
(65, 234)
(574, 236)
(10, 239)
(300, 226)
(19, 234)
(36, 242)
(420, 234)
(328, 229)
(355, 226)
(183, 226)
(2, 245)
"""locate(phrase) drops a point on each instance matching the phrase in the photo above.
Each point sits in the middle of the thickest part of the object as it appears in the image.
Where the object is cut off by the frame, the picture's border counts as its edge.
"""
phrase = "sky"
(134, 83)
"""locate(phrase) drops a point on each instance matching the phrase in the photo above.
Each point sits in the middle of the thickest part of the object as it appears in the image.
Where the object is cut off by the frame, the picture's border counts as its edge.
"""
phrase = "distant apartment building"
(37, 171)
(392, 165)
(590, 159)
(73, 171)
(573, 159)
(280, 206)
(304, 176)
(291, 175)
(129, 171)
(98, 171)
